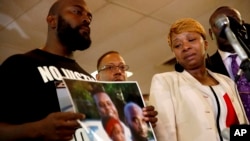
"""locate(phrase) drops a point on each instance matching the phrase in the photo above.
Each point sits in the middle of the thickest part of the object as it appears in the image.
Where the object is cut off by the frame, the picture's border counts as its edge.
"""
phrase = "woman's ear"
(51, 20)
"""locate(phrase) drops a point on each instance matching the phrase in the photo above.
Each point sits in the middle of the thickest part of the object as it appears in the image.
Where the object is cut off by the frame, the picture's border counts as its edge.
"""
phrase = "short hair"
(54, 8)
(222, 7)
(185, 25)
(105, 54)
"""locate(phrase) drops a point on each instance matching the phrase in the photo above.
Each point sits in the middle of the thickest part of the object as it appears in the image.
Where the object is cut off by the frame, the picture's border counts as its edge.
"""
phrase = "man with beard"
(29, 106)
(135, 120)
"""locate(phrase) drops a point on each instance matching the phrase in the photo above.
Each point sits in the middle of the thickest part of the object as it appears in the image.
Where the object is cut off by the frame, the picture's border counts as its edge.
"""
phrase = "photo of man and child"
(113, 110)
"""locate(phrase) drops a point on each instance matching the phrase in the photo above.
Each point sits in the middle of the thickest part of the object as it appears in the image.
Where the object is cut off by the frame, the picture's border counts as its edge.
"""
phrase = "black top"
(27, 85)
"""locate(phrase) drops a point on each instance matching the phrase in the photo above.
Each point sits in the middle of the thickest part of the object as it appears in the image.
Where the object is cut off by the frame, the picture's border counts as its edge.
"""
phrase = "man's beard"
(137, 136)
(71, 37)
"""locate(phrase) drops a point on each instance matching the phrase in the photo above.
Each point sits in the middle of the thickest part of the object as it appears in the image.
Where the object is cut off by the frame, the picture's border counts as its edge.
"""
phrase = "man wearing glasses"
(111, 67)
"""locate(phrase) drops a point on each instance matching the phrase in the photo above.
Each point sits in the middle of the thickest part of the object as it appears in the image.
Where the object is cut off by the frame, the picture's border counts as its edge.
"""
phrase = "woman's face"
(189, 49)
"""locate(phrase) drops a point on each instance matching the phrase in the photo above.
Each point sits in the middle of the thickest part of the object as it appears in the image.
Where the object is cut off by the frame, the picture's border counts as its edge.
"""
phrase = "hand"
(59, 126)
(150, 115)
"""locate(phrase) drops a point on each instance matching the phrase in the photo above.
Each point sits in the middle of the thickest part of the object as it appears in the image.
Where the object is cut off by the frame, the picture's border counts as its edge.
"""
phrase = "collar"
(224, 55)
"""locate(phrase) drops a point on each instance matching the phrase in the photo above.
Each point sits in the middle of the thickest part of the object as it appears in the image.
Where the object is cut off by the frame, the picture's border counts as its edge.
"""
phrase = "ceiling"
(135, 28)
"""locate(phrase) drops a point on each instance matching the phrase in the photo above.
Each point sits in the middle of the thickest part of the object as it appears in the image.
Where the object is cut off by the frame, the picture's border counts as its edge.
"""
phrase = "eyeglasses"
(113, 68)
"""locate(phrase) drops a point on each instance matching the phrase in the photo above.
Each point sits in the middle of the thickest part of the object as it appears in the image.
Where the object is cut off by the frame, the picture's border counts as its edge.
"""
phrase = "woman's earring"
(178, 67)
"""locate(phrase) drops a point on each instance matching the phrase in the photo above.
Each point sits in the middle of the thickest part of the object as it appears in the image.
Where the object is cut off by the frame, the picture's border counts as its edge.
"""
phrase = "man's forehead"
(228, 12)
(134, 109)
(103, 95)
(112, 58)
(72, 2)
(67, 3)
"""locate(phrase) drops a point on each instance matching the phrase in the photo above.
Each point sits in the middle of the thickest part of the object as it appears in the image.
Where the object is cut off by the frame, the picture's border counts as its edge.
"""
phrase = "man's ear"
(211, 33)
(51, 20)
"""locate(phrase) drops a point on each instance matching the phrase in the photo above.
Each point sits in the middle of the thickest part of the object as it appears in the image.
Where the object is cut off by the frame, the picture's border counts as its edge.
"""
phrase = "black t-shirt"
(27, 80)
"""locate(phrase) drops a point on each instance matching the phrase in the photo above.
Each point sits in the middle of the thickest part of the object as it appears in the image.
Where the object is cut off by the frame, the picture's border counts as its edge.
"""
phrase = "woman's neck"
(203, 76)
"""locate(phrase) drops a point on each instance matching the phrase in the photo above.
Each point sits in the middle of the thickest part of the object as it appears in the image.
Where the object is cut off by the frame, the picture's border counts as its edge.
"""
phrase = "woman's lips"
(189, 57)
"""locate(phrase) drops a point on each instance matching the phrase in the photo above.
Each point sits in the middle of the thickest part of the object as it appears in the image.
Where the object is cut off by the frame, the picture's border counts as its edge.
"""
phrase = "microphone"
(222, 23)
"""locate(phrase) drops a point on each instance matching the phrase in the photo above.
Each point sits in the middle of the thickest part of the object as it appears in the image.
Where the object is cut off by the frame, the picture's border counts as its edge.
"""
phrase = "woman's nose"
(186, 45)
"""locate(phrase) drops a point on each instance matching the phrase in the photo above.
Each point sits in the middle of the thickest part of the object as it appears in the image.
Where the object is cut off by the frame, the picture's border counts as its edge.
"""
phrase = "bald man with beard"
(135, 120)
(29, 106)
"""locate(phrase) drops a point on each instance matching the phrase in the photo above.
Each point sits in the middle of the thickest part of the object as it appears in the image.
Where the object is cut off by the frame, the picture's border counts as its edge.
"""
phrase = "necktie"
(243, 86)
(234, 65)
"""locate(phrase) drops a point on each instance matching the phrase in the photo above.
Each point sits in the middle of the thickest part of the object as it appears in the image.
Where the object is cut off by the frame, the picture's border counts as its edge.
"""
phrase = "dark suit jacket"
(215, 64)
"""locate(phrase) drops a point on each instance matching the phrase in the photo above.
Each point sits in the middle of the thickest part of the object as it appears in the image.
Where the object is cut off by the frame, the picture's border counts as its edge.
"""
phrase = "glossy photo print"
(113, 109)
